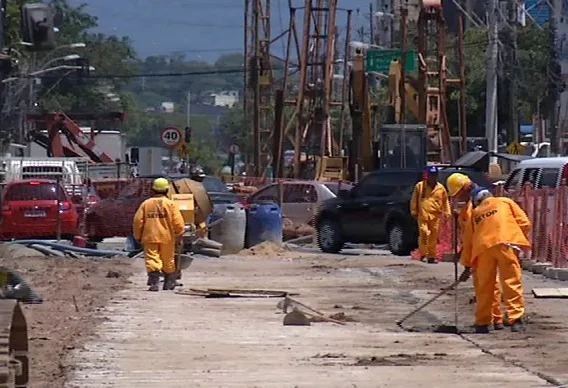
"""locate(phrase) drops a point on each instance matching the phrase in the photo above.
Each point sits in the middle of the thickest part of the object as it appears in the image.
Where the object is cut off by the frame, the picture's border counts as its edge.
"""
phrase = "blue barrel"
(264, 223)
(231, 231)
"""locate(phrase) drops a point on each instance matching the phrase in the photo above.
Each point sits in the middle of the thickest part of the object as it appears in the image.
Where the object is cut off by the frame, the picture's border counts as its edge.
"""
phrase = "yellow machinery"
(195, 206)
(361, 153)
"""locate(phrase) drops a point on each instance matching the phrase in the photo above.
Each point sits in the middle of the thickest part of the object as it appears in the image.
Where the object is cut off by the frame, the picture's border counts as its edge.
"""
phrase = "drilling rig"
(425, 97)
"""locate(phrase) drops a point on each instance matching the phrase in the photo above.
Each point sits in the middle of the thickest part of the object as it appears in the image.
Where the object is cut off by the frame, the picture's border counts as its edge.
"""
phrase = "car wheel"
(397, 240)
(329, 236)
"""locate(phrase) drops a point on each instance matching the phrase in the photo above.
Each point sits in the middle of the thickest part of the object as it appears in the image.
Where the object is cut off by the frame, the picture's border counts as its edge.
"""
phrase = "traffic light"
(37, 26)
(187, 137)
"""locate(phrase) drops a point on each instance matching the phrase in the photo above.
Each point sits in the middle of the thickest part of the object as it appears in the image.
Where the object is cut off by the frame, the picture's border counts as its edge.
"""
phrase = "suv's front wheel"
(329, 236)
(398, 240)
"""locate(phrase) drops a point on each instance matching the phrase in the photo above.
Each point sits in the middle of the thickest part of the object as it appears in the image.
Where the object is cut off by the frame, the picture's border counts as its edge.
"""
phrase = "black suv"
(377, 211)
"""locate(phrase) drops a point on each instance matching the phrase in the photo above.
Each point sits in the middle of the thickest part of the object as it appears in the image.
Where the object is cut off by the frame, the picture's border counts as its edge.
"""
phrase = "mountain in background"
(201, 29)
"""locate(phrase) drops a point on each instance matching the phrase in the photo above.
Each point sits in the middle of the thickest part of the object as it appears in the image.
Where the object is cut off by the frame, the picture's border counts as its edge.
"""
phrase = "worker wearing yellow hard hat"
(500, 229)
(428, 203)
(158, 224)
(460, 188)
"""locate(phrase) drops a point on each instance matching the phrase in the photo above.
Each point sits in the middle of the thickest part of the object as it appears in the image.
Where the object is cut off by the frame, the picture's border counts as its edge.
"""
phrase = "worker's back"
(160, 220)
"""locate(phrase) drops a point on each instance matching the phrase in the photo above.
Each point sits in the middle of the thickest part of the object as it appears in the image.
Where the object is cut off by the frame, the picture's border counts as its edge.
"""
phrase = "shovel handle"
(443, 292)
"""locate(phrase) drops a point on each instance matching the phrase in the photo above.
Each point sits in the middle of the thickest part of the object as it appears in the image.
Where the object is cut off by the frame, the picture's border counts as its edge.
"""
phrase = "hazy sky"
(203, 29)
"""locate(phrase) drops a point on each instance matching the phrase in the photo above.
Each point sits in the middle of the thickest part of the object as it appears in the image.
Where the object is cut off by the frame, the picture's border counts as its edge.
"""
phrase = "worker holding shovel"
(459, 189)
(499, 233)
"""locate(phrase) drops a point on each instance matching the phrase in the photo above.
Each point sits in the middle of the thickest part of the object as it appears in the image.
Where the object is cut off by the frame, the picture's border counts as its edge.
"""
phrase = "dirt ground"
(74, 291)
(540, 350)
(234, 342)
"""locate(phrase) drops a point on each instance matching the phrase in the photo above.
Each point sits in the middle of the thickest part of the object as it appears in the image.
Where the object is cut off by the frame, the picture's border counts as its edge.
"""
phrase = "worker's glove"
(465, 275)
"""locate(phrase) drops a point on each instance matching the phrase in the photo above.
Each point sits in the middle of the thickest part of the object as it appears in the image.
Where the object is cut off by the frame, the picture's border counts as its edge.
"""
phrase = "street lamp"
(66, 58)
(44, 71)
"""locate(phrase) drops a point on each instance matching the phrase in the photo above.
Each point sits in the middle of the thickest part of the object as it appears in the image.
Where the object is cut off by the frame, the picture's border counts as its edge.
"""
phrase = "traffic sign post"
(183, 150)
(171, 137)
(379, 60)
(233, 150)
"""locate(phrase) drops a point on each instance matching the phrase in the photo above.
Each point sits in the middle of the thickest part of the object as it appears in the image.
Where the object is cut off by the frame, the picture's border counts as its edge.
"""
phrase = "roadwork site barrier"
(548, 211)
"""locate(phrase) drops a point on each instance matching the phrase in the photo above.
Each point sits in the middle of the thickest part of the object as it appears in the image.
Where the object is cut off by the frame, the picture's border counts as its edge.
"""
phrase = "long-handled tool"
(443, 292)
(456, 276)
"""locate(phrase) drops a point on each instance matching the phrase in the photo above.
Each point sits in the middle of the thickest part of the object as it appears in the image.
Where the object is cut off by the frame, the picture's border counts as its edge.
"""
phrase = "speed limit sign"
(171, 137)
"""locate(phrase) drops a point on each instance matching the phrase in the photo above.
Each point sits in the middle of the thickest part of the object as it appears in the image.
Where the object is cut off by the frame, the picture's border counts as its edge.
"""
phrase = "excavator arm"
(58, 125)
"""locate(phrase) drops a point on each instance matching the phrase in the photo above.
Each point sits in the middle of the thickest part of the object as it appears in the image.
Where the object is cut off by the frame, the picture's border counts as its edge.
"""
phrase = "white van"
(540, 172)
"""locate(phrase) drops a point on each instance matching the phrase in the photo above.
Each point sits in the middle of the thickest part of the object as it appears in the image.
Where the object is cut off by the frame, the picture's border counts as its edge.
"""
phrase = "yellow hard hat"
(161, 185)
(455, 183)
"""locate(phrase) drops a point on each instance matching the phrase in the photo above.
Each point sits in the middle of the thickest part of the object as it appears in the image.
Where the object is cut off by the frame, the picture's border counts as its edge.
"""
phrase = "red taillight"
(34, 183)
(64, 206)
(564, 176)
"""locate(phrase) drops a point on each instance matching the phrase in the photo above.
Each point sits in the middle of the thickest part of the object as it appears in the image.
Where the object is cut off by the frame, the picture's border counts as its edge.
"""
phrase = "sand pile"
(266, 248)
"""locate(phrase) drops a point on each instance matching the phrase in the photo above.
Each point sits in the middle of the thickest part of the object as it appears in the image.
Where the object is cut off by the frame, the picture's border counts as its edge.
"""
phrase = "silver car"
(298, 198)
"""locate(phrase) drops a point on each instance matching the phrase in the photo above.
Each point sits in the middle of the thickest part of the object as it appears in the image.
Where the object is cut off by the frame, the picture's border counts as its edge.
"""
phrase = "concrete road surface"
(168, 340)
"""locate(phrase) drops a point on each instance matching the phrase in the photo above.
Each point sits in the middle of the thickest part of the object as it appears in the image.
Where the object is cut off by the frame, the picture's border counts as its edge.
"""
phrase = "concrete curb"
(546, 269)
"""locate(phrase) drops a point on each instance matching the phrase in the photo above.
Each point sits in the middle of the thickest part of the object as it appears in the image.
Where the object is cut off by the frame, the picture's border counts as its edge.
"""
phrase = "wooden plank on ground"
(556, 293)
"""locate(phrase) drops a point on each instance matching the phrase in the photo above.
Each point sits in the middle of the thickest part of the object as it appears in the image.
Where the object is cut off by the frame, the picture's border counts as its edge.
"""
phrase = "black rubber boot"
(518, 326)
(178, 283)
(169, 281)
(498, 326)
(481, 329)
(154, 281)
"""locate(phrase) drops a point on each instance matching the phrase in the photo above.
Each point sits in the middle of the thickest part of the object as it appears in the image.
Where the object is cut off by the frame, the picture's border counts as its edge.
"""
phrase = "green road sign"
(379, 60)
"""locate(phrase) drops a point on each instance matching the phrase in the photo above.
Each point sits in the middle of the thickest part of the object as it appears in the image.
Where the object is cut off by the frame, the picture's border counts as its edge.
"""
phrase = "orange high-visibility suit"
(500, 229)
(427, 206)
(466, 232)
(158, 223)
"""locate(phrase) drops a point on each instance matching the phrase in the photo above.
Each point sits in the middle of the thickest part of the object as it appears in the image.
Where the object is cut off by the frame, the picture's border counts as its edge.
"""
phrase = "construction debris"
(296, 318)
(550, 293)
(315, 315)
(234, 293)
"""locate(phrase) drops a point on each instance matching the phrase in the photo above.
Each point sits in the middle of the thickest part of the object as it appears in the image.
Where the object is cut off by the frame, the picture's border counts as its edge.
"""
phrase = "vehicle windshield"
(33, 191)
(335, 187)
(214, 185)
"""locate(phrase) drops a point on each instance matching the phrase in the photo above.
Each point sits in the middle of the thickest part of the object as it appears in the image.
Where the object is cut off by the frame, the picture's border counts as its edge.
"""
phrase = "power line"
(177, 51)
(238, 70)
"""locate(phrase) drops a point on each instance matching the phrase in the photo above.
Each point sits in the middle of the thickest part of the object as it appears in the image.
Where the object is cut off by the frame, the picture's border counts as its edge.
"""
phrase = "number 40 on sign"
(171, 137)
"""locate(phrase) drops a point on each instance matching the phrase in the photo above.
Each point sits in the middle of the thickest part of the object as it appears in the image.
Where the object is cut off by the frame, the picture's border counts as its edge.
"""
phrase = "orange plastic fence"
(548, 211)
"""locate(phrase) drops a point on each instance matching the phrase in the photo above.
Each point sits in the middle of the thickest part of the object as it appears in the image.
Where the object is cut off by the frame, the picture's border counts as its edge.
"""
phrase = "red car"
(29, 210)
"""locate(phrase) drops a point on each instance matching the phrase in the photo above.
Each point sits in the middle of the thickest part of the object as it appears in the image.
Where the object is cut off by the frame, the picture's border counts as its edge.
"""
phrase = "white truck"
(64, 169)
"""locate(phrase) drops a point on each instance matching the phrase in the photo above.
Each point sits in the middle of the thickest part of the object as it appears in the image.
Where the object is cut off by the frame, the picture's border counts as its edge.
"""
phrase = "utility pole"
(554, 76)
(513, 88)
(491, 124)
(256, 89)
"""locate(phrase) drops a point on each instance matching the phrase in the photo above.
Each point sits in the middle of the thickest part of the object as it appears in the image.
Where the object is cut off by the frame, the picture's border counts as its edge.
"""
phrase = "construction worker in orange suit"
(500, 229)
(460, 188)
(429, 202)
(158, 225)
